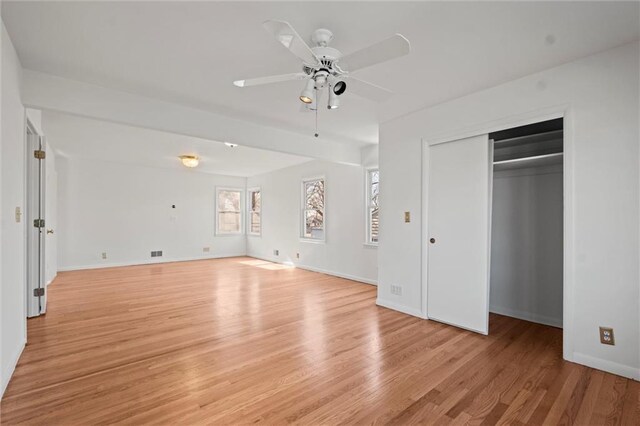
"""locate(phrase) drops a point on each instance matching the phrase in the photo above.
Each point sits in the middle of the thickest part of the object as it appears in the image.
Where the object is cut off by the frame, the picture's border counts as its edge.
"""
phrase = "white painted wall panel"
(601, 95)
(526, 245)
(126, 211)
(344, 252)
(13, 315)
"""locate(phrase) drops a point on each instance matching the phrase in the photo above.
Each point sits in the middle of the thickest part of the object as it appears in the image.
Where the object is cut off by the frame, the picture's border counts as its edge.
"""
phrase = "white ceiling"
(88, 139)
(190, 53)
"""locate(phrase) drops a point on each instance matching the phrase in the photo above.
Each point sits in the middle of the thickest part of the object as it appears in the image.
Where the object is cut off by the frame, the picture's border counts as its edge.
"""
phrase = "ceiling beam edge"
(48, 92)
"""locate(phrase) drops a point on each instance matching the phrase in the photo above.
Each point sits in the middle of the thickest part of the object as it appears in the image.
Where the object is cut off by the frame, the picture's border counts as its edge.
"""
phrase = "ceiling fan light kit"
(326, 67)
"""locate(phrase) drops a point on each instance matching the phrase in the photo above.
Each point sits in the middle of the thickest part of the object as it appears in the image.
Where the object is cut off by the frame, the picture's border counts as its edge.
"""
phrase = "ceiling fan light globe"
(334, 102)
(307, 93)
(339, 88)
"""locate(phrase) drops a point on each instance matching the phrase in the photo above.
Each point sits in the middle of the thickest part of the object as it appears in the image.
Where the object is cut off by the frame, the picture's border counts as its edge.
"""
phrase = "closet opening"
(527, 211)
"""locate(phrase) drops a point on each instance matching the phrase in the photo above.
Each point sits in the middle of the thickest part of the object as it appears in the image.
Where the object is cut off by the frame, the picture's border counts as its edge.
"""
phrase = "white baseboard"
(400, 308)
(51, 280)
(527, 316)
(320, 270)
(147, 262)
(7, 372)
(608, 366)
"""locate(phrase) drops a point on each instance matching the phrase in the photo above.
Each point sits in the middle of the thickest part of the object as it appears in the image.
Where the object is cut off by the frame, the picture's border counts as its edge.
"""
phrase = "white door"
(36, 302)
(459, 209)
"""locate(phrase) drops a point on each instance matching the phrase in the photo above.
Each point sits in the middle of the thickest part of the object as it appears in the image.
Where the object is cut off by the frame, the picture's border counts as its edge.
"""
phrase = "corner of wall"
(8, 370)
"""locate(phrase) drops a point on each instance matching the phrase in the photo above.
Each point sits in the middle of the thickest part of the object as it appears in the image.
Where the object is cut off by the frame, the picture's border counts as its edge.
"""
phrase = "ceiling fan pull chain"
(317, 102)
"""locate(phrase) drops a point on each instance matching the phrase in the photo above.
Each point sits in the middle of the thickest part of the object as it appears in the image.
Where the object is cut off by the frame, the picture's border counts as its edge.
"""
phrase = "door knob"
(432, 240)
(49, 231)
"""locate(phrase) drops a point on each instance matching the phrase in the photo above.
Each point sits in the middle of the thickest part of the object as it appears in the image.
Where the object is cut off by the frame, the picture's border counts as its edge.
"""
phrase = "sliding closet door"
(459, 220)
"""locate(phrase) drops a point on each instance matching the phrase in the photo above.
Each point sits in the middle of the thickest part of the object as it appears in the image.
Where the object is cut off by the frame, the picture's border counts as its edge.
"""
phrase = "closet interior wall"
(527, 228)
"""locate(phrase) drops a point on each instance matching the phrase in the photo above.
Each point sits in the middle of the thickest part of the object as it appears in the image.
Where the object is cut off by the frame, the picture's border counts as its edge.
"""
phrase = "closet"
(495, 227)
(526, 278)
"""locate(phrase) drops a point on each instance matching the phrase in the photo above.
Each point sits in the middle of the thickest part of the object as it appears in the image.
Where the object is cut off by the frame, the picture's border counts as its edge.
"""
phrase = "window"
(229, 211)
(373, 220)
(255, 211)
(313, 219)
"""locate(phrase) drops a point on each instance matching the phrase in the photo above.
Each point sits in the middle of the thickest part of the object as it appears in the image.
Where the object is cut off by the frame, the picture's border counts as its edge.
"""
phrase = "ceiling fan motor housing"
(322, 37)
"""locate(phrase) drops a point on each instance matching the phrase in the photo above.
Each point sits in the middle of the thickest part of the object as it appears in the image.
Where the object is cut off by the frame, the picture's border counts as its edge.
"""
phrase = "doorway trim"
(563, 111)
(30, 265)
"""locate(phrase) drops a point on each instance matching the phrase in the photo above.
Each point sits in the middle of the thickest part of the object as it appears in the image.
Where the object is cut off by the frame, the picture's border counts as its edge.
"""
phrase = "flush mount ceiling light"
(190, 160)
(231, 145)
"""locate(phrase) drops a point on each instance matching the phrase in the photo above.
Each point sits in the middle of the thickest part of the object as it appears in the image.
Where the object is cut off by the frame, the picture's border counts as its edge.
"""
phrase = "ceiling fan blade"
(270, 79)
(367, 90)
(383, 51)
(285, 34)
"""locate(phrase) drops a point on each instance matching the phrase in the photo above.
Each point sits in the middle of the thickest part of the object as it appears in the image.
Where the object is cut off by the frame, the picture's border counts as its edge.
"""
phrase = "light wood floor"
(237, 341)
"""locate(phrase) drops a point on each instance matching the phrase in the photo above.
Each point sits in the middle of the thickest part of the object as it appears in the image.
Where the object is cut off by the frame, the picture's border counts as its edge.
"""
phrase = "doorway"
(526, 276)
(36, 188)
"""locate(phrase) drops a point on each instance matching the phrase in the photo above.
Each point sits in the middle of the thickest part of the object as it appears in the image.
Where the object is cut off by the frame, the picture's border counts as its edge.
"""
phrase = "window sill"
(311, 240)
(254, 235)
(230, 234)
(370, 245)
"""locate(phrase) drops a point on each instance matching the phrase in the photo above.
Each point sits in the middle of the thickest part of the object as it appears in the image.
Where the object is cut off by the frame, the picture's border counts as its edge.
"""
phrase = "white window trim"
(302, 210)
(367, 205)
(248, 215)
(217, 212)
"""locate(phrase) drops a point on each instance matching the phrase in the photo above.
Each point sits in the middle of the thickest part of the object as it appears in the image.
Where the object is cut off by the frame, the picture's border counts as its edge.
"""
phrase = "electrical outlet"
(606, 336)
(206, 249)
(396, 289)
(407, 217)
(276, 252)
(297, 255)
(18, 214)
(104, 254)
(157, 253)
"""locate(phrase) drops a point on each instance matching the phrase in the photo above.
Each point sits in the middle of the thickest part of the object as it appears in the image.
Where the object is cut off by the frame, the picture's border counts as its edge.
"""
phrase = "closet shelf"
(525, 162)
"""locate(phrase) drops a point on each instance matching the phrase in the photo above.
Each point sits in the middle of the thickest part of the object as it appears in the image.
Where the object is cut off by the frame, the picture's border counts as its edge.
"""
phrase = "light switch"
(18, 214)
(407, 217)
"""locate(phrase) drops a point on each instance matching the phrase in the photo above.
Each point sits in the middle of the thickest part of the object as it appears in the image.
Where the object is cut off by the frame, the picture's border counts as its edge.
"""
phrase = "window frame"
(367, 205)
(303, 209)
(249, 211)
(240, 231)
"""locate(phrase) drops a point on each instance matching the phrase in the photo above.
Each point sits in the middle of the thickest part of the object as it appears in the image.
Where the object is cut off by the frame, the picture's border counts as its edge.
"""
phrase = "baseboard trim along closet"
(7, 375)
(400, 308)
(608, 366)
(527, 316)
(146, 262)
(314, 269)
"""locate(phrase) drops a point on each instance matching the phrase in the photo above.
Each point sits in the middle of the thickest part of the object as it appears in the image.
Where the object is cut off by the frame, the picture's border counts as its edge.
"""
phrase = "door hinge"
(38, 223)
(39, 154)
(38, 292)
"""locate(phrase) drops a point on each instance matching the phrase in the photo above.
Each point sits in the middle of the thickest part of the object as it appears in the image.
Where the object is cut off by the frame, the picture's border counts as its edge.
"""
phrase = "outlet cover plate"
(606, 336)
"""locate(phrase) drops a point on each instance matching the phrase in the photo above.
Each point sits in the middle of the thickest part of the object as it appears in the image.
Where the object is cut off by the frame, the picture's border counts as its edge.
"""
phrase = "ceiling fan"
(326, 67)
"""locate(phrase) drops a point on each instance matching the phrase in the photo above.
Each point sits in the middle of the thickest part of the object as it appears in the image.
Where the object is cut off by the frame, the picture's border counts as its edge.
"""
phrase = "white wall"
(51, 216)
(526, 244)
(601, 96)
(344, 252)
(13, 308)
(126, 211)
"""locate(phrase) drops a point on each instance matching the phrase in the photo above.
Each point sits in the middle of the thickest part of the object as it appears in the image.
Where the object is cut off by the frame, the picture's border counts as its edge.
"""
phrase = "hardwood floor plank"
(240, 340)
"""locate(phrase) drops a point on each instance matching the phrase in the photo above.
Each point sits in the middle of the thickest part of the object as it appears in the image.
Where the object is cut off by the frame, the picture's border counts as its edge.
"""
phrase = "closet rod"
(517, 138)
(533, 158)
